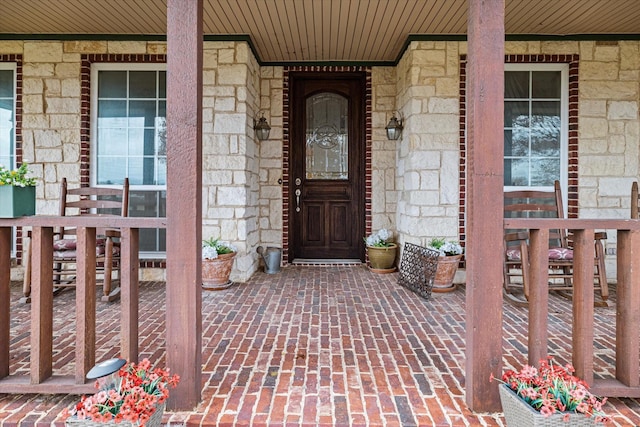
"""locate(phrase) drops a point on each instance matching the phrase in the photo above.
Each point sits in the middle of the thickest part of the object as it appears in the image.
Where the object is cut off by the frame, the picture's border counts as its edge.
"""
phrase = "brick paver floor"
(314, 346)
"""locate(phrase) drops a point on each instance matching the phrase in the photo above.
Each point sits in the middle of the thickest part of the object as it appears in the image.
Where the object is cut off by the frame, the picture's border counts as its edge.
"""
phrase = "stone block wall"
(415, 181)
(271, 158)
(427, 175)
(230, 167)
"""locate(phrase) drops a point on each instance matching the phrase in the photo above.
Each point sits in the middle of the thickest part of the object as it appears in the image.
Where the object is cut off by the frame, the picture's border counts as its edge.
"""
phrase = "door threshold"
(326, 262)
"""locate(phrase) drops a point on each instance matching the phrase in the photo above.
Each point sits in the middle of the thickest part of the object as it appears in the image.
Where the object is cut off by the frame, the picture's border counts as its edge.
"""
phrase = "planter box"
(17, 201)
(517, 413)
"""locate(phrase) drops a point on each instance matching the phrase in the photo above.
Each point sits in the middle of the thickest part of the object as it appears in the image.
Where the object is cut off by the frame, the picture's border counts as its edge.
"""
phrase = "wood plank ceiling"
(318, 30)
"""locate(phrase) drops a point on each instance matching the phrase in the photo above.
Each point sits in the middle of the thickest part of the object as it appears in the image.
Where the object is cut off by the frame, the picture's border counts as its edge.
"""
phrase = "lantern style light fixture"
(394, 128)
(106, 373)
(262, 128)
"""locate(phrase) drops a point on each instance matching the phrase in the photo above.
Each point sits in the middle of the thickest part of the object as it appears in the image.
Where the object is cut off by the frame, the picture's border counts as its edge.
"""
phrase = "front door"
(327, 166)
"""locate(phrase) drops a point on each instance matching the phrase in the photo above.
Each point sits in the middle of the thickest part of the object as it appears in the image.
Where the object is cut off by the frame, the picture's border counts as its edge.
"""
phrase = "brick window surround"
(85, 115)
(572, 170)
(17, 59)
(286, 144)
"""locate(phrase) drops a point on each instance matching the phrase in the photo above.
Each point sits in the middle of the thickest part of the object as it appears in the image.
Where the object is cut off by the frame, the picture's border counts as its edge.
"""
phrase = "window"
(7, 114)
(535, 125)
(129, 139)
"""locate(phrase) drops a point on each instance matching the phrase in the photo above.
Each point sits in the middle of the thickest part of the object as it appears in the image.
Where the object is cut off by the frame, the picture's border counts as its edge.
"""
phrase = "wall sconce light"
(262, 128)
(394, 128)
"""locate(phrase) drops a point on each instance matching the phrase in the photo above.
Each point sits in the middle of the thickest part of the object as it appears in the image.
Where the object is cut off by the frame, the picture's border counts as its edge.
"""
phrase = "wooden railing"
(41, 378)
(627, 352)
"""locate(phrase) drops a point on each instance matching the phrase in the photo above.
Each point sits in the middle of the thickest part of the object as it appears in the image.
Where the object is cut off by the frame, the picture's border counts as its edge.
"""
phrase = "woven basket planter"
(517, 413)
(154, 421)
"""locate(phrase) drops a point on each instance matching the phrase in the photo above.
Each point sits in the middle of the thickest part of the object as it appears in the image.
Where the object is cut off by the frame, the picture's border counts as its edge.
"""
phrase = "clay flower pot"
(216, 272)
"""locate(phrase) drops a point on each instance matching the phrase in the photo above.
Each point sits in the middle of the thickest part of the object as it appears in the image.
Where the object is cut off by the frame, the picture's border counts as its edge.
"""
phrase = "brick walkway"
(314, 346)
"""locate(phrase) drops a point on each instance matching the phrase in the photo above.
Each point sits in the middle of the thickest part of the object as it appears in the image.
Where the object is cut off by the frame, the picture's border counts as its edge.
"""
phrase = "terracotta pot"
(216, 271)
(382, 258)
(446, 271)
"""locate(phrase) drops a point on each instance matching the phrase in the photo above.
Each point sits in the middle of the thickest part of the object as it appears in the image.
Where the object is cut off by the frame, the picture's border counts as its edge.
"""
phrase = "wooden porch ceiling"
(319, 30)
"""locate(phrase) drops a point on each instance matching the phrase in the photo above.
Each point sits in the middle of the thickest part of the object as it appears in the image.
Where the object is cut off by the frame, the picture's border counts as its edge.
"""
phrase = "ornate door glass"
(327, 137)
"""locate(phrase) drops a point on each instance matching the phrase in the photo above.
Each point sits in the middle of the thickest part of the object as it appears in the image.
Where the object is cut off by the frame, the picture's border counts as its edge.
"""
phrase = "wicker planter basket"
(154, 421)
(517, 413)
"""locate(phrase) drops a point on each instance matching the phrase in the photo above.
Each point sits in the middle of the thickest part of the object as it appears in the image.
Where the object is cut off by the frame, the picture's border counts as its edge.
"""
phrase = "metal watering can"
(272, 257)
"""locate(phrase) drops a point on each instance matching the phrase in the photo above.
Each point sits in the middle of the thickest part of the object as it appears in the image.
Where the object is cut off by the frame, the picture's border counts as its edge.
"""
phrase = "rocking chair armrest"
(600, 235)
(111, 232)
(516, 236)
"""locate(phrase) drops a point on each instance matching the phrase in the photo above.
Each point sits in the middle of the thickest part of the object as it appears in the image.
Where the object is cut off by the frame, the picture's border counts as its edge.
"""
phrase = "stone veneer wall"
(415, 182)
(230, 172)
(429, 168)
(427, 175)
(271, 158)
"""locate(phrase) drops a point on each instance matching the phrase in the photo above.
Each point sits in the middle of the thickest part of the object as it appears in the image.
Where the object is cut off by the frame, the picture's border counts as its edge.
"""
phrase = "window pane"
(162, 84)
(533, 129)
(149, 204)
(112, 84)
(546, 84)
(544, 171)
(135, 171)
(115, 142)
(112, 113)
(516, 84)
(142, 84)
(516, 114)
(516, 172)
(111, 170)
(131, 141)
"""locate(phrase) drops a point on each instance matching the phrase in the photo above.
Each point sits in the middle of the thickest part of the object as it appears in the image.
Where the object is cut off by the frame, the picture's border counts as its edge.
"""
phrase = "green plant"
(379, 239)
(552, 388)
(17, 177)
(445, 247)
(211, 248)
(133, 398)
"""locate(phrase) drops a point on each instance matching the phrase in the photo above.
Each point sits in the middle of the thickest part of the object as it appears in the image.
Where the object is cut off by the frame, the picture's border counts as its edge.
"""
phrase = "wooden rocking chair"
(544, 204)
(96, 201)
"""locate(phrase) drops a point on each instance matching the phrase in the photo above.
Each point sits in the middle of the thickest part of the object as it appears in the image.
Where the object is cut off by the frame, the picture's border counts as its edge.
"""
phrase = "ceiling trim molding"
(247, 38)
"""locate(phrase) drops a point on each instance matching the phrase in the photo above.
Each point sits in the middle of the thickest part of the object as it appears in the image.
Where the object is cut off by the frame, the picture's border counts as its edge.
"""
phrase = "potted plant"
(135, 397)
(17, 192)
(548, 395)
(217, 261)
(381, 251)
(450, 254)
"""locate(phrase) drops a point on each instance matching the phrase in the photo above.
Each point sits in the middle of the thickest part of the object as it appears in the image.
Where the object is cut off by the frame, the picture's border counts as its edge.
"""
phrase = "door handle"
(297, 200)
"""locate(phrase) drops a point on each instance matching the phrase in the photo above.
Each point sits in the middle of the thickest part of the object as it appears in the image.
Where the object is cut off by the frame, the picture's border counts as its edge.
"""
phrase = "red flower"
(553, 388)
(134, 399)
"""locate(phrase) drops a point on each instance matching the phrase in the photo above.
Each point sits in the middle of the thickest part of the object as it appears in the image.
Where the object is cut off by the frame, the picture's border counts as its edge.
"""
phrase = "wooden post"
(485, 183)
(5, 299)
(184, 200)
(538, 295)
(41, 304)
(129, 293)
(627, 313)
(583, 299)
(85, 302)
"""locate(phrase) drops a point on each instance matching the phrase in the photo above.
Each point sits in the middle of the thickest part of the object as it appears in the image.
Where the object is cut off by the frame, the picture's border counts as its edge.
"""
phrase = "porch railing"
(41, 378)
(627, 352)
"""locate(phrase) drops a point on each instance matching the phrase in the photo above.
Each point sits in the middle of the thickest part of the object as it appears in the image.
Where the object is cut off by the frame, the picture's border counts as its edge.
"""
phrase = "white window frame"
(118, 66)
(12, 66)
(564, 119)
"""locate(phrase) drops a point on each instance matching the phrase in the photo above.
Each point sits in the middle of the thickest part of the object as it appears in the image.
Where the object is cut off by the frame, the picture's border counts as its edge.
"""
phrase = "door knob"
(298, 200)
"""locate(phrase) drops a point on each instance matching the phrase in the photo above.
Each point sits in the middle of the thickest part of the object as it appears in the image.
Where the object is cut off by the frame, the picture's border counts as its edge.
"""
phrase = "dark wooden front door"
(327, 166)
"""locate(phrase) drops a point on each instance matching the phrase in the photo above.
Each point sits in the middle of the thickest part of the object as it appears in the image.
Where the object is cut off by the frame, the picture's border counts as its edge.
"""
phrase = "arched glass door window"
(327, 137)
